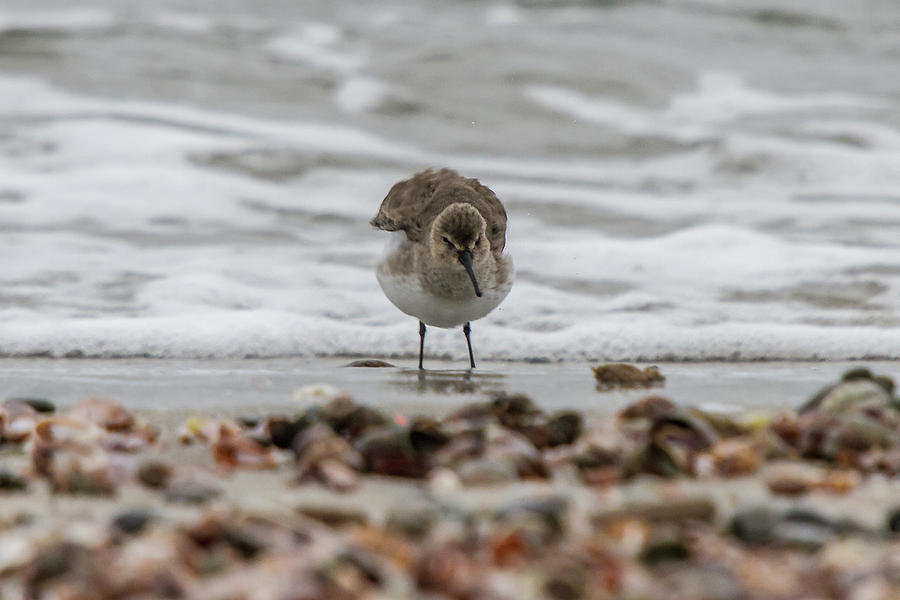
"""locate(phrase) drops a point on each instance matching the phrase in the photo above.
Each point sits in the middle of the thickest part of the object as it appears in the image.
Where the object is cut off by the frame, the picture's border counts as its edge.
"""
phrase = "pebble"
(10, 482)
(615, 375)
(373, 363)
(133, 521)
(41, 405)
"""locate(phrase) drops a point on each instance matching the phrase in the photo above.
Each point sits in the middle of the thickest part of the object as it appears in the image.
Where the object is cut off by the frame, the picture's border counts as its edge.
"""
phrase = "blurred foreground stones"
(499, 499)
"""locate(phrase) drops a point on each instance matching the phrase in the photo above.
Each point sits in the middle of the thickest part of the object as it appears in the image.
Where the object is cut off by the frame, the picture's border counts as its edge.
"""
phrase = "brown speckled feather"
(413, 204)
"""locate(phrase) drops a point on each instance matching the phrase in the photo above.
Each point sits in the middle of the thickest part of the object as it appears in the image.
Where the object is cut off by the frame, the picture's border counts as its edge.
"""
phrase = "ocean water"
(685, 179)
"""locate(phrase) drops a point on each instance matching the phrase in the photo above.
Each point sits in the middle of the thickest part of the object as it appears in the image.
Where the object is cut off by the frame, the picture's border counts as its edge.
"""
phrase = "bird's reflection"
(449, 382)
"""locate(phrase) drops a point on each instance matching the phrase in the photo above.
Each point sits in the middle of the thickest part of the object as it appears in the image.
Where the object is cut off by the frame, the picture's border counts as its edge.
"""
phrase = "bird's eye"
(446, 241)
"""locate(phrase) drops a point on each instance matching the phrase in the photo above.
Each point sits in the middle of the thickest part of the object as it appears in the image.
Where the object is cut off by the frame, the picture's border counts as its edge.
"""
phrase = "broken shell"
(232, 447)
(387, 450)
(105, 413)
(733, 457)
(17, 420)
(349, 419)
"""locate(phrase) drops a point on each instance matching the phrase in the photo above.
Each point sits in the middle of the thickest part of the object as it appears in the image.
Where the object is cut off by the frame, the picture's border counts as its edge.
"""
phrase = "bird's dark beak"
(465, 257)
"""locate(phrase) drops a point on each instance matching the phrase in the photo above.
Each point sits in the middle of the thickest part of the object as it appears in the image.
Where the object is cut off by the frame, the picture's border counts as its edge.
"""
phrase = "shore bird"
(445, 263)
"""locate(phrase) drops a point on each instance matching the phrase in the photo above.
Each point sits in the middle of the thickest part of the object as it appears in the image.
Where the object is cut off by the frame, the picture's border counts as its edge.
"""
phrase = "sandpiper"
(445, 264)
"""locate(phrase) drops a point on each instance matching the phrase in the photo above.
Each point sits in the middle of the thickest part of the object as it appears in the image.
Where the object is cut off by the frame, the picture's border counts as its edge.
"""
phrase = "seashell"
(140, 437)
(651, 407)
(318, 393)
(839, 481)
(78, 475)
(319, 443)
(231, 447)
(282, 431)
(447, 570)
(564, 428)
(349, 419)
(791, 479)
(442, 480)
(17, 420)
(672, 443)
(191, 486)
(388, 450)
(336, 475)
(105, 413)
(733, 457)
(385, 543)
(855, 394)
(515, 411)
(148, 565)
(197, 428)
(543, 517)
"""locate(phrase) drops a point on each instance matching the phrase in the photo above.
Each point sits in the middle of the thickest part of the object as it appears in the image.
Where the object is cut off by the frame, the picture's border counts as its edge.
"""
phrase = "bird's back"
(412, 205)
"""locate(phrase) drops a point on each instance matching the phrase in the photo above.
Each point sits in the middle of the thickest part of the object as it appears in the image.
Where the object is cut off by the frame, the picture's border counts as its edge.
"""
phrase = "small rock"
(516, 411)
(621, 375)
(349, 419)
(893, 521)
(372, 363)
(650, 407)
(243, 540)
(564, 428)
(549, 513)
(10, 482)
(191, 488)
(108, 414)
(413, 520)
(133, 521)
(318, 393)
(154, 474)
(485, 471)
(755, 526)
(333, 515)
(41, 405)
(791, 479)
(734, 457)
(797, 529)
(666, 544)
(387, 450)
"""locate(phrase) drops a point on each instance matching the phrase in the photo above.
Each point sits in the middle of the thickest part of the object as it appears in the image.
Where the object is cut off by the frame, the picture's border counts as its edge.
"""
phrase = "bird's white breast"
(405, 291)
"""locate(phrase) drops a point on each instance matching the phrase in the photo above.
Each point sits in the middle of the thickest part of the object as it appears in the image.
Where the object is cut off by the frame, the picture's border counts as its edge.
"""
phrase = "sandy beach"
(378, 494)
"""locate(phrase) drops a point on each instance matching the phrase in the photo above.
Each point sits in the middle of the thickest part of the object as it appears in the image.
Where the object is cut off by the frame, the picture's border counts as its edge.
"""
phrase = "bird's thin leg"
(467, 329)
(421, 342)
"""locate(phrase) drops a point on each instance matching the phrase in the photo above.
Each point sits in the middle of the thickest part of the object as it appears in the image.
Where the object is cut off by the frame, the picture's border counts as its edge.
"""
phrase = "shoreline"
(248, 385)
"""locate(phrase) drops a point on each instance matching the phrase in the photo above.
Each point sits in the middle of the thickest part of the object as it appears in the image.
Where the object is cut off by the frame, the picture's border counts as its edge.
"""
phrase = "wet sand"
(256, 386)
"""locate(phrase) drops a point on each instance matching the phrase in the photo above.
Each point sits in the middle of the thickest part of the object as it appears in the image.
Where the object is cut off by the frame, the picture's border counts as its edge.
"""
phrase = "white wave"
(259, 333)
(67, 19)
(720, 100)
(320, 45)
(361, 94)
(127, 238)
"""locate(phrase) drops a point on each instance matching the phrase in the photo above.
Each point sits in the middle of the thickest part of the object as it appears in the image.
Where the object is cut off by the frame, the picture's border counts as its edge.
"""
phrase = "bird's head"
(458, 237)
